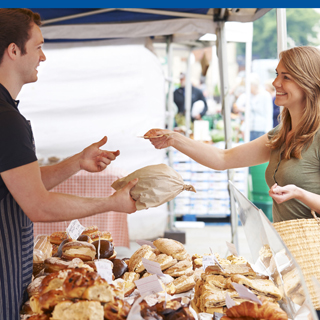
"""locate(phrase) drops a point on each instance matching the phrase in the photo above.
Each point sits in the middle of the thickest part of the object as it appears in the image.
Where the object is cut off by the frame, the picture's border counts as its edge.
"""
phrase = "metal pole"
(226, 112)
(281, 33)
(170, 118)
(188, 94)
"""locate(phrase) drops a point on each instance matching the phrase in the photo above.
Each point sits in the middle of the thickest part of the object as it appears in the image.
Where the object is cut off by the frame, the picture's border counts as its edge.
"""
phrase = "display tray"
(272, 256)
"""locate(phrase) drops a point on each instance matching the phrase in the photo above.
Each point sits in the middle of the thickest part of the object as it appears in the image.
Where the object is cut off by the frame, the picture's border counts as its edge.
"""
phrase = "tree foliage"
(302, 29)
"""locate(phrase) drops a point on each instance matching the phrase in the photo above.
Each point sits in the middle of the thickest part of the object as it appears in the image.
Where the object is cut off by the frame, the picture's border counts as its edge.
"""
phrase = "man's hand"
(93, 159)
(122, 200)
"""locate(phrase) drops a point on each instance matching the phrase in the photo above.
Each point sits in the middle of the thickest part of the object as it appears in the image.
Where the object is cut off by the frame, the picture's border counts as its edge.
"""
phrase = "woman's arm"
(245, 155)
(290, 191)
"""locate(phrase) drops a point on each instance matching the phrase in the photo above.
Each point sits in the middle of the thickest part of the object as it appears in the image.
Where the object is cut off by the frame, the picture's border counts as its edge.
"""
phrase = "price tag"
(149, 284)
(152, 266)
(104, 269)
(216, 260)
(149, 243)
(75, 229)
(207, 261)
(229, 302)
(245, 293)
(232, 248)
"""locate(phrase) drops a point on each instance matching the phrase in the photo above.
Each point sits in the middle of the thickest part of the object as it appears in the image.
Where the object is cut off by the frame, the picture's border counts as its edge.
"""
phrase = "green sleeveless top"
(304, 173)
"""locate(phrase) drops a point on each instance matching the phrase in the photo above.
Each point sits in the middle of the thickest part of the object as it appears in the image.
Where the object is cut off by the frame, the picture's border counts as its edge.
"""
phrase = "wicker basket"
(302, 237)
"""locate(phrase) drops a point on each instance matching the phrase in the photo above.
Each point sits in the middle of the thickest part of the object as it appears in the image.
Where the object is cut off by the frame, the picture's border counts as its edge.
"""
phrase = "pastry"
(231, 269)
(59, 250)
(135, 262)
(33, 287)
(81, 310)
(116, 310)
(89, 230)
(58, 237)
(171, 247)
(165, 261)
(263, 287)
(179, 269)
(78, 280)
(54, 264)
(106, 249)
(267, 311)
(105, 235)
(78, 249)
(184, 284)
(85, 238)
(119, 268)
(49, 299)
(130, 276)
(98, 292)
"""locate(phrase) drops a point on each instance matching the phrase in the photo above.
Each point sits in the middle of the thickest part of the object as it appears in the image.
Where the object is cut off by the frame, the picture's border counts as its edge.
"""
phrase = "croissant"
(267, 311)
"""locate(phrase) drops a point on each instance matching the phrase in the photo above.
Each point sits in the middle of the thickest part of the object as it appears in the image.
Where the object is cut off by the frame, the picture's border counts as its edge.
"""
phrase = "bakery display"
(69, 286)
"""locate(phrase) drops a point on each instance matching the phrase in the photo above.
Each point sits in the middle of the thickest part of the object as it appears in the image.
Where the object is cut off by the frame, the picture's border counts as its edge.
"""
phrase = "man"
(197, 111)
(24, 196)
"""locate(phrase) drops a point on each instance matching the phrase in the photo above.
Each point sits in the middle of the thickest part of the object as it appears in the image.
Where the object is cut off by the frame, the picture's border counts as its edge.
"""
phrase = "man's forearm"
(55, 174)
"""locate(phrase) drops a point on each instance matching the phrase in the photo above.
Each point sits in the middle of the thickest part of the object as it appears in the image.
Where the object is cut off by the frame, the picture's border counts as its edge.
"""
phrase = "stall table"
(87, 184)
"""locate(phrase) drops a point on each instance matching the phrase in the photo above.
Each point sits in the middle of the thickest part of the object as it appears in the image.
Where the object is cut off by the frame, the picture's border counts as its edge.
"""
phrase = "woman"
(292, 148)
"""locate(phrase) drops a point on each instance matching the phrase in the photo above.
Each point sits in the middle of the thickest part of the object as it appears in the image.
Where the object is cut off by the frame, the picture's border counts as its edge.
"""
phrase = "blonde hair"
(303, 64)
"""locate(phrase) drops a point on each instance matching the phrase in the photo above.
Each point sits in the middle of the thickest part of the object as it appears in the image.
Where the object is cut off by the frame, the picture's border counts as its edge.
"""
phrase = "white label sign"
(75, 229)
(152, 266)
(149, 243)
(149, 284)
(232, 248)
(229, 302)
(104, 269)
(216, 260)
(245, 293)
(207, 261)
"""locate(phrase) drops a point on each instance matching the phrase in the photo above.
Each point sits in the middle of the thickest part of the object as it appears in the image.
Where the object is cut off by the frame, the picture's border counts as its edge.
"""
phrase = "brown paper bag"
(157, 184)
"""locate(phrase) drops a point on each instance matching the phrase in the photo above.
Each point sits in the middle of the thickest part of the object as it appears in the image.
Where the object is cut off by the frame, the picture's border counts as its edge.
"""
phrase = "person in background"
(276, 109)
(292, 148)
(24, 186)
(260, 108)
(199, 105)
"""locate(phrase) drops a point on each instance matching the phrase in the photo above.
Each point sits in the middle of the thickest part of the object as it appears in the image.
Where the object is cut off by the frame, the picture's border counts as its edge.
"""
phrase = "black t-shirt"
(16, 138)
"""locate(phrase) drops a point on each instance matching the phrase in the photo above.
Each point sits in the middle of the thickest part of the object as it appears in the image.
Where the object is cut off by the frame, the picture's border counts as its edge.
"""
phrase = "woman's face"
(288, 93)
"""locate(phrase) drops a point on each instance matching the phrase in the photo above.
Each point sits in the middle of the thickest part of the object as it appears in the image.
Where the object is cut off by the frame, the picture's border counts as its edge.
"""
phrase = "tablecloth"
(87, 184)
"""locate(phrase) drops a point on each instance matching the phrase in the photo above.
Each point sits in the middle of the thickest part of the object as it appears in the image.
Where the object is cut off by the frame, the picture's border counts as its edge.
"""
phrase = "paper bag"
(157, 184)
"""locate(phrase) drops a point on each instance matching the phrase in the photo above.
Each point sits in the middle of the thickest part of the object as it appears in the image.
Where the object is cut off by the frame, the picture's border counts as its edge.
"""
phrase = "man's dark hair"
(15, 25)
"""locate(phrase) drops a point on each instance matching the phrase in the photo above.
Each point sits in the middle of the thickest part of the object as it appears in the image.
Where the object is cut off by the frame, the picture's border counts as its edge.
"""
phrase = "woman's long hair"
(303, 64)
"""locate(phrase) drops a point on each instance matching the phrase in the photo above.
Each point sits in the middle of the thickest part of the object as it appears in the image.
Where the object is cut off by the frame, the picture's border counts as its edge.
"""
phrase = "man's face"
(29, 62)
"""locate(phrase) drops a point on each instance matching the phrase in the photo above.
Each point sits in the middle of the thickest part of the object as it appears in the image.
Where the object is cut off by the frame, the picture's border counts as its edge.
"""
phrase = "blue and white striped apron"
(16, 257)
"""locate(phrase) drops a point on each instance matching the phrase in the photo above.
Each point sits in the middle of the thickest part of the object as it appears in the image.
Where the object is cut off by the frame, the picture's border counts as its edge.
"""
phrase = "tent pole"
(281, 30)
(226, 113)
(188, 93)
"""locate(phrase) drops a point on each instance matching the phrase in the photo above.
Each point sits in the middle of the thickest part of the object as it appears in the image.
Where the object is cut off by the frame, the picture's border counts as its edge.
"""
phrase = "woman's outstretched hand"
(160, 138)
